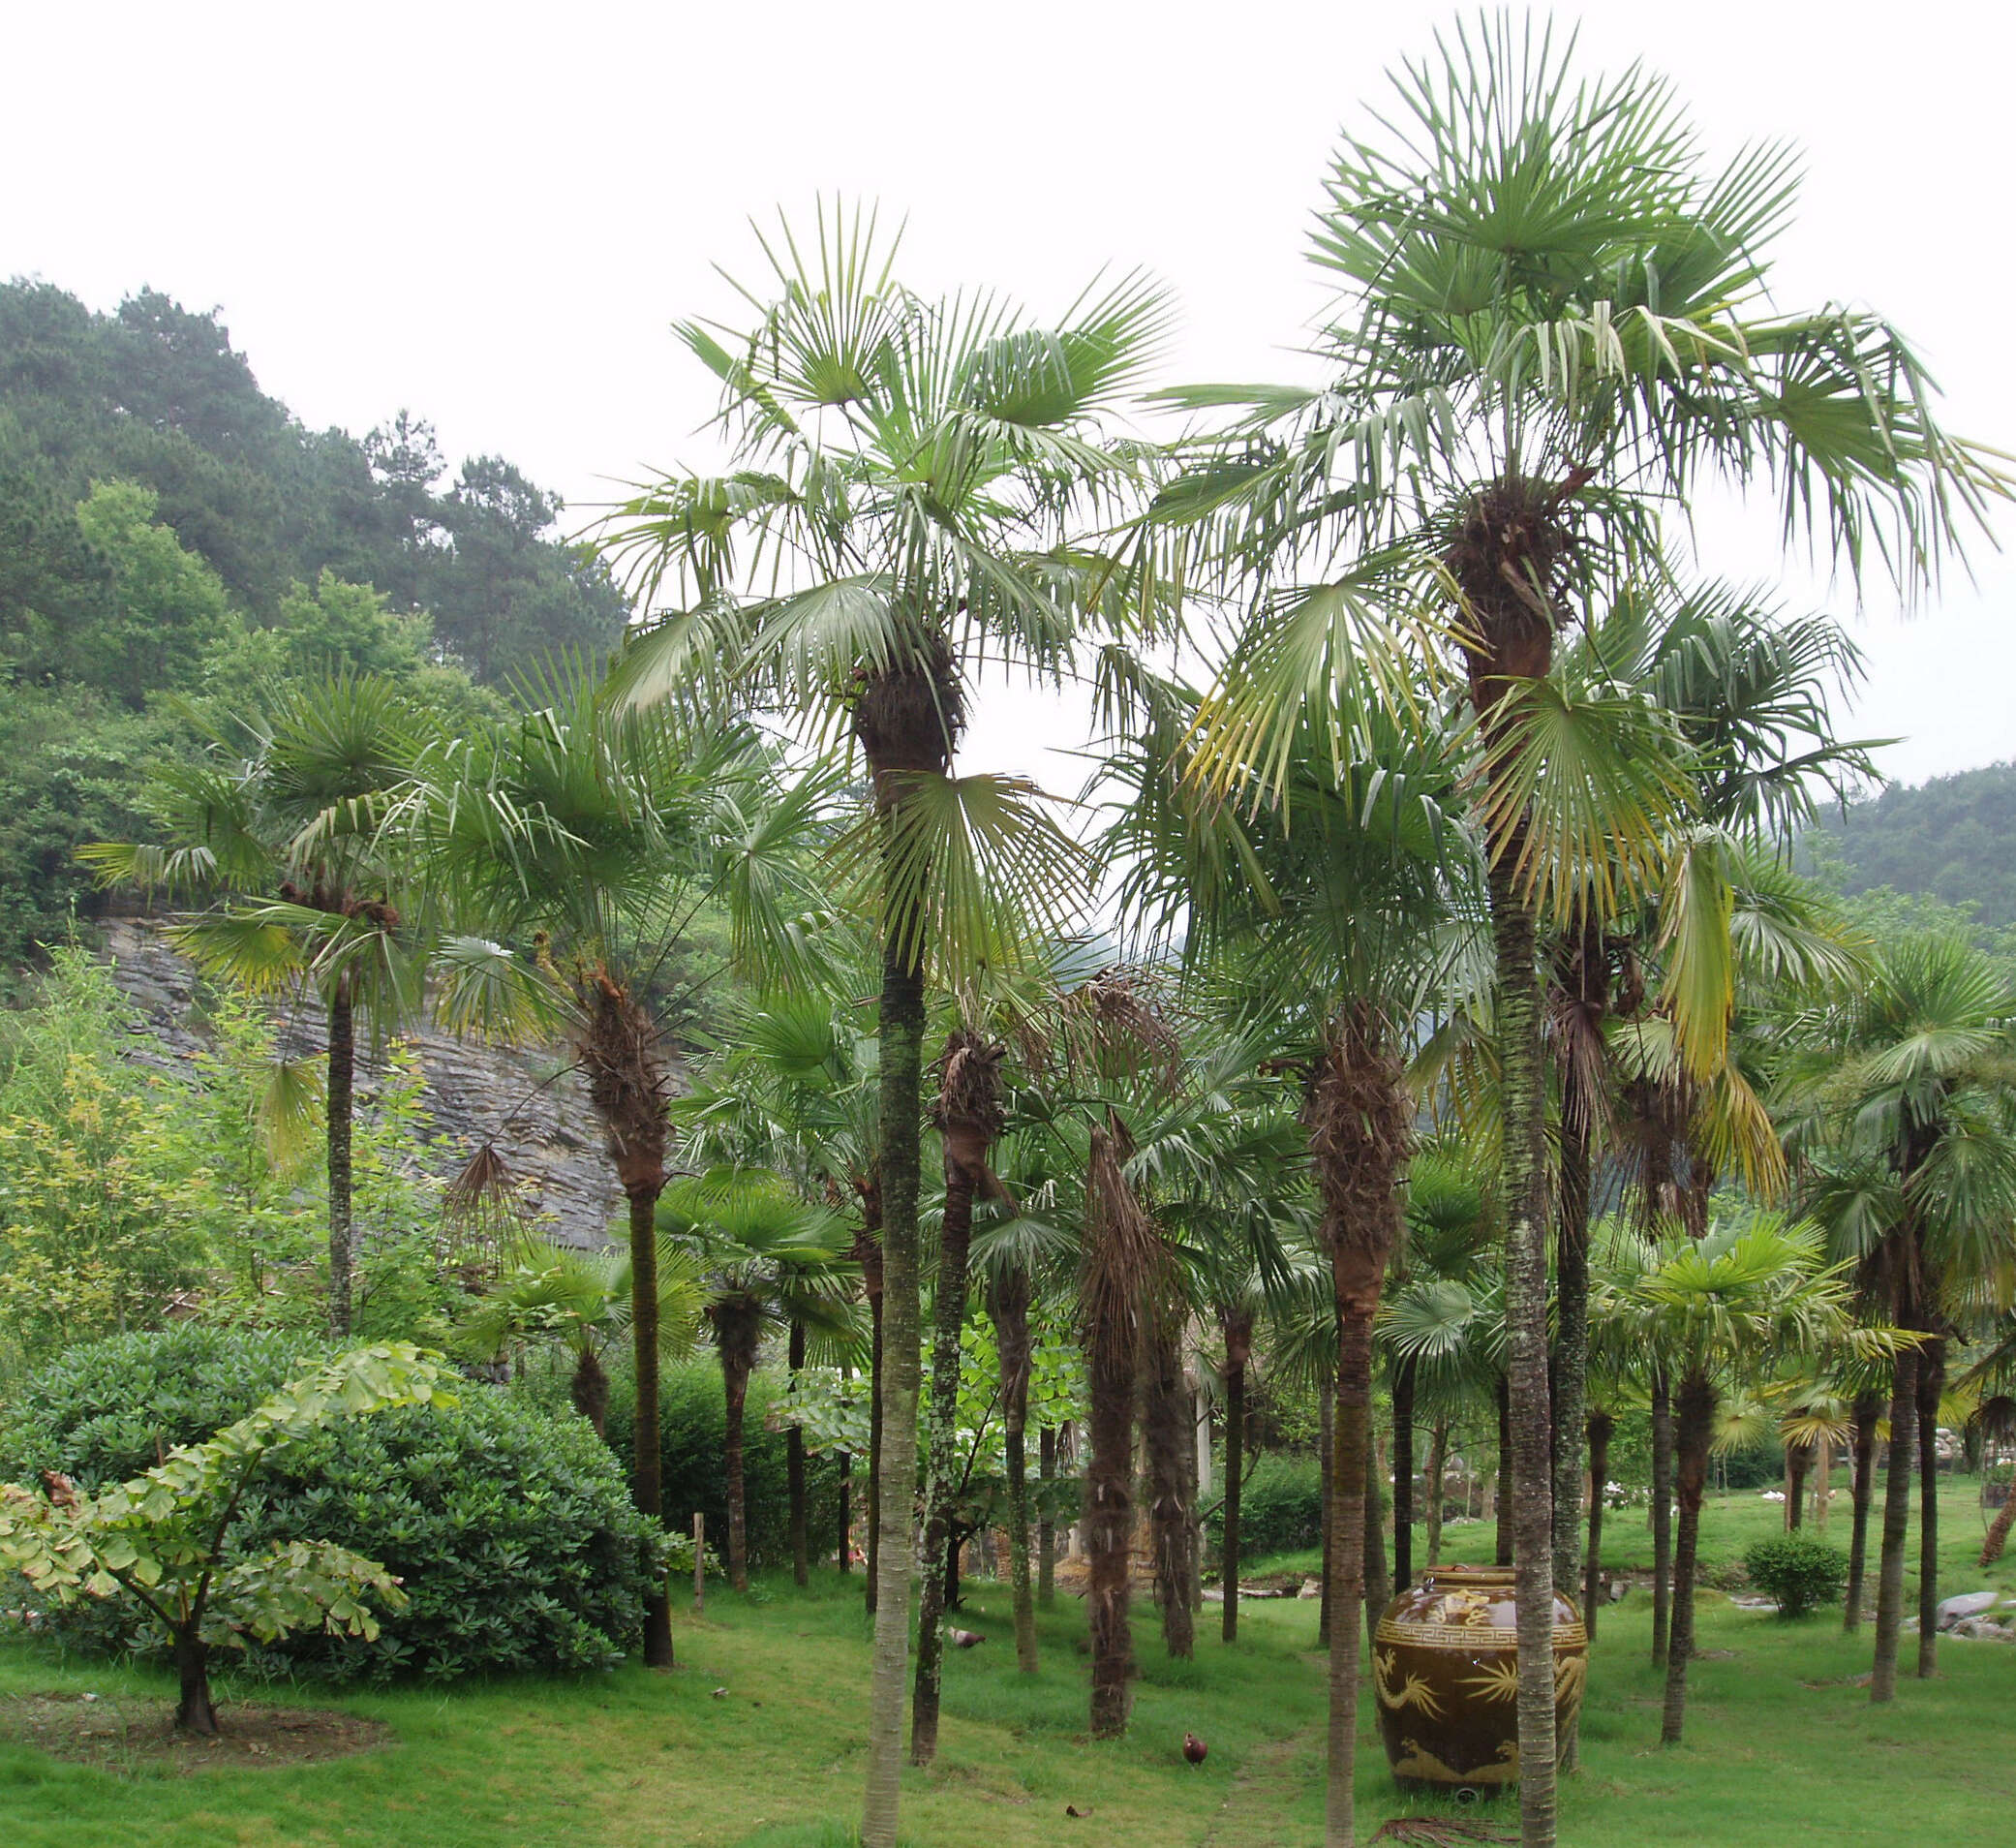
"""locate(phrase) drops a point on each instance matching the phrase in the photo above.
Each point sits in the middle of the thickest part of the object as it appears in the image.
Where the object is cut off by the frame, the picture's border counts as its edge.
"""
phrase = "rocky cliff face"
(524, 1100)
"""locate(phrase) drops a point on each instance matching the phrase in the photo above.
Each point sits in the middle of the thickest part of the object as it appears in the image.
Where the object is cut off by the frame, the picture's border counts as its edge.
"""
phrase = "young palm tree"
(279, 827)
(907, 477)
(1552, 321)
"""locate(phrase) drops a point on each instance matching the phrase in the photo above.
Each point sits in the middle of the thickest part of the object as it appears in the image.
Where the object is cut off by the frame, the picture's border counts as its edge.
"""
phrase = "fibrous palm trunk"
(870, 1245)
(1166, 1426)
(1046, 1528)
(1897, 1525)
(1798, 1464)
(1585, 982)
(1239, 1350)
(1502, 1496)
(794, 1471)
(1379, 1582)
(1661, 1516)
(588, 1388)
(1862, 1492)
(1997, 1535)
(1346, 1569)
(1695, 1422)
(1932, 1386)
(738, 1328)
(1601, 1426)
(1431, 1486)
(1011, 1317)
(340, 1112)
(1327, 1477)
(1403, 1473)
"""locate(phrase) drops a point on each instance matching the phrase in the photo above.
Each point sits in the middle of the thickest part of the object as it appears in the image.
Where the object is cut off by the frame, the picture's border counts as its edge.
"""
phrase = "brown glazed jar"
(1446, 1675)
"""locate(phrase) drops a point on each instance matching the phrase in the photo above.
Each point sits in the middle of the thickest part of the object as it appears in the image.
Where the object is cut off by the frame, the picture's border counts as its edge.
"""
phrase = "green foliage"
(1952, 838)
(1280, 1511)
(509, 1527)
(1798, 1570)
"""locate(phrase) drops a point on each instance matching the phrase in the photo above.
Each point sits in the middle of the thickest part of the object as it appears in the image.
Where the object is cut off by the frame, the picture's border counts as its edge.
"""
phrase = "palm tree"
(583, 839)
(279, 825)
(770, 1262)
(1552, 320)
(1720, 1310)
(909, 473)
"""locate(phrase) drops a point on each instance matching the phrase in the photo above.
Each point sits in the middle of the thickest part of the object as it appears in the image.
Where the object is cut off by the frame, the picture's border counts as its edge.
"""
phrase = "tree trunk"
(1109, 1525)
(1798, 1464)
(1046, 1528)
(646, 1460)
(1862, 1491)
(1378, 1582)
(1897, 1525)
(870, 1565)
(1238, 1344)
(1403, 1473)
(1431, 1486)
(845, 1460)
(1601, 1426)
(1351, 1470)
(1501, 1482)
(735, 1387)
(1823, 1482)
(588, 1388)
(794, 1471)
(1165, 1424)
(193, 1710)
(339, 1116)
(901, 1072)
(1586, 979)
(1326, 1479)
(1011, 1315)
(1661, 1516)
(942, 1460)
(1932, 1386)
(1997, 1536)
(1695, 1421)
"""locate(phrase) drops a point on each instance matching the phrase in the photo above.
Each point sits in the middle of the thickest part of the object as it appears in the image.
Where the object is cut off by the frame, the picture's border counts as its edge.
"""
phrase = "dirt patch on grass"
(124, 1735)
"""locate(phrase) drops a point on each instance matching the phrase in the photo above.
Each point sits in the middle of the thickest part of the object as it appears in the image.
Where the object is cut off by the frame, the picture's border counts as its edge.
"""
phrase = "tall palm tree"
(1552, 321)
(583, 839)
(278, 826)
(908, 475)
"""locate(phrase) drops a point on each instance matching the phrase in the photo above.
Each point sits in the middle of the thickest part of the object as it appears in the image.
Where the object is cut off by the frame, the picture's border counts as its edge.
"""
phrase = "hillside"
(1952, 838)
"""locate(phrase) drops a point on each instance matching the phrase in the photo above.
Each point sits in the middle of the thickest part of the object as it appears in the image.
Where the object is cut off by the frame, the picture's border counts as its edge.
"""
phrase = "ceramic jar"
(1446, 1675)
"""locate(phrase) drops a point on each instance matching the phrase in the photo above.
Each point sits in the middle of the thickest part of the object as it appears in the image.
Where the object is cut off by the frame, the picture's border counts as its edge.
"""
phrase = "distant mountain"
(1952, 838)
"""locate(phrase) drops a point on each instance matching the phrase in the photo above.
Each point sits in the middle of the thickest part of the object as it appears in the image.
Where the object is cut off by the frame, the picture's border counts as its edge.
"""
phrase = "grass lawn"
(1782, 1746)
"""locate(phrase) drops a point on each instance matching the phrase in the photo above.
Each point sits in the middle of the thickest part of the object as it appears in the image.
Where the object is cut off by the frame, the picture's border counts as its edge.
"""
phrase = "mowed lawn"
(1782, 1746)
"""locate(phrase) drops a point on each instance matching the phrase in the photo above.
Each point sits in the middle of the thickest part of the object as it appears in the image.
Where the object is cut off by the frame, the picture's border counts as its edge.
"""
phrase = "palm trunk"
(1997, 1536)
(1238, 1339)
(1403, 1473)
(1601, 1426)
(1897, 1525)
(1166, 1426)
(1046, 1528)
(1932, 1386)
(1695, 1421)
(735, 1387)
(1326, 1479)
(1378, 1582)
(340, 1116)
(1588, 982)
(646, 1460)
(794, 1471)
(1661, 1516)
(1010, 1315)
(1798, 1464)
(1501, 1481)
(589, 1390)
(1108, 1525)
(941, 1458)
(901, 1072)
(195, 1713)
(1862, 1491)
(1431, 1486)
(870, 1573)
(1823, 1482)
(1351, 1470)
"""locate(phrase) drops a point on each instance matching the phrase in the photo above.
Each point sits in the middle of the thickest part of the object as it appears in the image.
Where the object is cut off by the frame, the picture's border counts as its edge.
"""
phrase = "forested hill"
(1953, 839)
(174, 541)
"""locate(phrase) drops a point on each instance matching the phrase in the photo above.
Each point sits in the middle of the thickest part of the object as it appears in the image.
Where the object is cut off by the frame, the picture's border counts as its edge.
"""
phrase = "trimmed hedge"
(1798, 1571)
(511, 1526)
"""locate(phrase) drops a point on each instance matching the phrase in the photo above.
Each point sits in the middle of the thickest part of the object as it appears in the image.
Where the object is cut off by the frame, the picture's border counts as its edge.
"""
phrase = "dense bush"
(692, 1421)
(1798, 1570)
(1281, 1510)
(511, 1526)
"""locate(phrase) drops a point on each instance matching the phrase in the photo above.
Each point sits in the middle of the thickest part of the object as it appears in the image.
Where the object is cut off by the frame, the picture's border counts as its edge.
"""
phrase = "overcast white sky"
(491, 213)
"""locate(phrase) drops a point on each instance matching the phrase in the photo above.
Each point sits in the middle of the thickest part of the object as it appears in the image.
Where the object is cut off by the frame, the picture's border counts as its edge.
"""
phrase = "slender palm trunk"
(195, 1712)
(941, 1458)
(1379, 1582)
(845, 1459)
(1932, 1386)
(1351, 1470)
(794, 1471)
(1403, 1473)
(1586, 977)
(647, 1465)
(1046, 1528)
(339, 1121)
(1011, 1316)
(1997, 1536)
(1108, 1525)
(1661, 1516)
(1862, 1491)
(589, 1390)
(1501, 1482)
(1238, 1345)
(871, 1574)
(1695, 1421)
(1431, 1486)
(1326, 1480)
(1897, 1525)
(1166, 1426)
(1823, 1482)
(1601, 1426)
(735, 1388)
(1798, 1465)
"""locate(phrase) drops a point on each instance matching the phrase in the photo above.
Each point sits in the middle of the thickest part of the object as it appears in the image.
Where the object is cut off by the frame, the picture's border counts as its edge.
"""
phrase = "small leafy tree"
(1798, 1571)
(162, 1539)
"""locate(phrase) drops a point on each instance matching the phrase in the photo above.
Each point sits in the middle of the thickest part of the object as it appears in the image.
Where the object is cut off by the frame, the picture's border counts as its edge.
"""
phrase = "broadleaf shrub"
(1280, 1510)
(1798, 1570)
(510, 1526)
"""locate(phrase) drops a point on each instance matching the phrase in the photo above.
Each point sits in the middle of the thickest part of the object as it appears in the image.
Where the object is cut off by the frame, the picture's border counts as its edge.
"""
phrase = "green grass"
(1781, 1747)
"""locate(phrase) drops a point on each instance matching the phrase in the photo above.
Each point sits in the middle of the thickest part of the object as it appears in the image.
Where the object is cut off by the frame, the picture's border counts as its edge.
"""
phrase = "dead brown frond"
(908, 713)
(627, 1081)
(1509, 558)
(1124, 1258)
(1117, 1025)
(1440, 1831)
(483, 1216)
